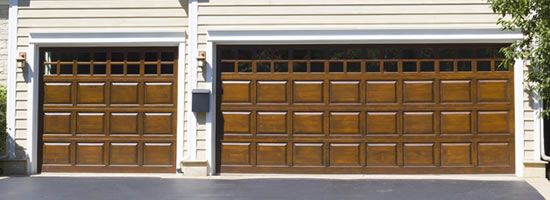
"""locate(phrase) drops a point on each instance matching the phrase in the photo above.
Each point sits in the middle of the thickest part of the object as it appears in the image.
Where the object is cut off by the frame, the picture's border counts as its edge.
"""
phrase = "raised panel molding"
(455, 91)
(57, 93)
(381, 91)
(345, 92)
(272, 122)
(308, 92)
(124, 93)
(236, 92)
(272, 92)
(91, 93)
(418, 92)
(235, 153)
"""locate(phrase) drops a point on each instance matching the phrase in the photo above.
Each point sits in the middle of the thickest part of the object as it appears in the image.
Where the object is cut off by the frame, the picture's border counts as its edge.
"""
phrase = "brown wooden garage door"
(108, 109)
(365, 109)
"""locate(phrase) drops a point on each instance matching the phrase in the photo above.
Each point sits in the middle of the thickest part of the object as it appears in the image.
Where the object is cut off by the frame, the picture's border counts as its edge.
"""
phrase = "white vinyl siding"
(90, 15)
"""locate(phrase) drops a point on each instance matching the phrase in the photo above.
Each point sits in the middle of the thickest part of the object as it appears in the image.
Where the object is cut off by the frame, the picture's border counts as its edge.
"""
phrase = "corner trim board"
(12, 78)
(192, 82)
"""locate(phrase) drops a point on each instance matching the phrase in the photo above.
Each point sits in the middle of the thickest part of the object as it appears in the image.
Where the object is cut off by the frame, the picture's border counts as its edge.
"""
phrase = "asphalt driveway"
(58, 188)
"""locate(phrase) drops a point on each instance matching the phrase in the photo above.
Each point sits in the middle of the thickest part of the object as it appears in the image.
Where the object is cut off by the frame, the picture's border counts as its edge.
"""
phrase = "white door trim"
(361, 36)
(37, 40)
(374, 36)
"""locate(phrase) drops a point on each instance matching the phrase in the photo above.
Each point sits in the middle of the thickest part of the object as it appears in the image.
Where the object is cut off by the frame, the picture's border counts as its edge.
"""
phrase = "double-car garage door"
(365, 109)
(108, 109)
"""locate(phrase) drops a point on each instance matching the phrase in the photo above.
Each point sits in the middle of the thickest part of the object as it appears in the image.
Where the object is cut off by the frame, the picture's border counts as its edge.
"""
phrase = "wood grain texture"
(108, 120)
(344, 119)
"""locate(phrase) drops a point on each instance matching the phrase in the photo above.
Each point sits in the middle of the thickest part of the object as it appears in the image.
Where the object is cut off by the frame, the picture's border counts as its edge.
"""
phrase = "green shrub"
(3, 128)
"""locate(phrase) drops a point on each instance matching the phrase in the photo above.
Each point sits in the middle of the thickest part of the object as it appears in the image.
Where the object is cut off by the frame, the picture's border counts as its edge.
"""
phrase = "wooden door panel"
(381, 155)
(58, 93)
(272, 123)
(382, 123)
(494, 154)
(158, 123)
(382, 91)
(455, 91)
(418, 92)
(493, 122)
(418, 123)
(57, 123)
(348, 123)
(271, 92)
(308, 123)
(456, 123)
(345, 155)
(124, 123)
(383, 109)
(236, 122)
(456, 154)
(159, 93)
(90, 123)
(236, 153)
(345, 92)
(272, 154)
(158, 154)
(493, 91)
(123, 154)
(308, 92)
(418, 155)
(91, 93)
(236, 91)
(124, 93)
(90, 153)
(116, 116)
(57, 153)
(309, 155)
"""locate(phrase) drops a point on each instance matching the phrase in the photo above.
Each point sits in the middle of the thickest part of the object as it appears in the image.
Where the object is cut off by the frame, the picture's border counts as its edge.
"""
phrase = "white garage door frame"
(375, 36)
(143, 38)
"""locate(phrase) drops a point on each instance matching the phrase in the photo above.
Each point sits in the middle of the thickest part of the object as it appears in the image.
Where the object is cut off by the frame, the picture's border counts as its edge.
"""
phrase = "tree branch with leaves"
(532, 18)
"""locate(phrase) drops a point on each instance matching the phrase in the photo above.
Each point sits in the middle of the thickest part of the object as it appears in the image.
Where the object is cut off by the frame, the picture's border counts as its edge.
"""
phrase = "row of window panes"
(360, 53)
(54, 56)
(388, 66)
(101, 69)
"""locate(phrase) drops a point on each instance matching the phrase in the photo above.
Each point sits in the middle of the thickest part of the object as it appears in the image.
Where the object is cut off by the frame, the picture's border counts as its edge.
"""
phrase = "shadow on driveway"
(54, 188)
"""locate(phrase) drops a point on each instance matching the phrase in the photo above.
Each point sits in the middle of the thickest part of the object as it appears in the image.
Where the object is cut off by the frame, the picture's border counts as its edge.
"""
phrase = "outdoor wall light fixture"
(201, 59)
(21, 59)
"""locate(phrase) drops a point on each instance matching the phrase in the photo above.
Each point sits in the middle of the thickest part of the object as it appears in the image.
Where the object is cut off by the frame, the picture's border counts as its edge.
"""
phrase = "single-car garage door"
(108, 109)
(365, 109)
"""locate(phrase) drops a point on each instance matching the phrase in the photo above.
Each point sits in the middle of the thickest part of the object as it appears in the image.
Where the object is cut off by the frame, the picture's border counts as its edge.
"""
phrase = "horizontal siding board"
(102, 22)
(338, 19)
(332, 2)
(203, 29)
(344, 10)
(41, 4)
(103, 13)
(24, 31)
